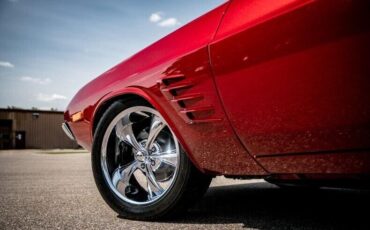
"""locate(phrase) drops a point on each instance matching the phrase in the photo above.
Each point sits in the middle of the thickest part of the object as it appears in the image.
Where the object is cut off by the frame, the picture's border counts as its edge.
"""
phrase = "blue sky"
(51, 48)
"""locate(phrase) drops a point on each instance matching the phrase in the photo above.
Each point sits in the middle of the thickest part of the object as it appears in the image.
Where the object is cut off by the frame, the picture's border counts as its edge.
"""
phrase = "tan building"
(32, 129)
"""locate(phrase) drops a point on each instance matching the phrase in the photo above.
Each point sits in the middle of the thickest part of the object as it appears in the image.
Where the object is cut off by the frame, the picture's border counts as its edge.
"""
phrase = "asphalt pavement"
(56, 190)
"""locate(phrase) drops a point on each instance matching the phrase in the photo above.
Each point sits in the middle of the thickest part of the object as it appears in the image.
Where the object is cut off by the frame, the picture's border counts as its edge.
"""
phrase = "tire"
(120, 166)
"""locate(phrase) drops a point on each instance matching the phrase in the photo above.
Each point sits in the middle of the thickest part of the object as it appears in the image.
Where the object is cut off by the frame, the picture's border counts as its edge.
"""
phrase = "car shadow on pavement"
(263, 206)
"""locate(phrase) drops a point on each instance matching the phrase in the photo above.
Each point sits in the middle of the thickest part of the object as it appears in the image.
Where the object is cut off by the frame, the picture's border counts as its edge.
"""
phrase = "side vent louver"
(180, 92)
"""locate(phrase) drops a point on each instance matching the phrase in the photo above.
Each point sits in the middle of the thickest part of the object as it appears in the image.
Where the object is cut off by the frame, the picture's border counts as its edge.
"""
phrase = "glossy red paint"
(255, 88)
(294, 79)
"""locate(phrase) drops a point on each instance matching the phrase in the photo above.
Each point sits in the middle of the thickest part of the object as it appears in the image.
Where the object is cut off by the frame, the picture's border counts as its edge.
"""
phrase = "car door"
(293, 77)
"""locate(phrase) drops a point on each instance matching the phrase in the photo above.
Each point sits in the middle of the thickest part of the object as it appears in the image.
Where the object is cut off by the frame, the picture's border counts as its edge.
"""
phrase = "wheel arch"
(108, 101)
(142, 95)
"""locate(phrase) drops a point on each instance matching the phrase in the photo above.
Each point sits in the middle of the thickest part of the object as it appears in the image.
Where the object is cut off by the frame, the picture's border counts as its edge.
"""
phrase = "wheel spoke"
(156, 127)
(116, 178)
(169, 157)
(153, 186)
(125, 134)
(123, 174)
(150, 193)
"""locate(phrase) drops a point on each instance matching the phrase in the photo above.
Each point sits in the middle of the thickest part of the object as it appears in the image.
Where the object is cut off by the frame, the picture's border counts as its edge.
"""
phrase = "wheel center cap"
(140, 156)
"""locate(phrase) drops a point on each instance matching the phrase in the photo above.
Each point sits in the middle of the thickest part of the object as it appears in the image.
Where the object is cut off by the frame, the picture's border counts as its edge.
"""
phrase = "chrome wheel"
(140, 156)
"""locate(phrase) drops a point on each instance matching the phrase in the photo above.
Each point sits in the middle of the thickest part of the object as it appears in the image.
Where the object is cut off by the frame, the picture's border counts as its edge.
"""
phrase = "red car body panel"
(254, 88)
(294, 79)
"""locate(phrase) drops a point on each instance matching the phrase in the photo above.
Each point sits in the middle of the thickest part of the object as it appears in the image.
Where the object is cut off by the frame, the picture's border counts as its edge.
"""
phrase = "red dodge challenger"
(278, 90)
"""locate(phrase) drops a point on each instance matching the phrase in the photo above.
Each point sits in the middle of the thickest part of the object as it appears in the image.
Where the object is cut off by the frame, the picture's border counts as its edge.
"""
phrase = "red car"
(268, 89)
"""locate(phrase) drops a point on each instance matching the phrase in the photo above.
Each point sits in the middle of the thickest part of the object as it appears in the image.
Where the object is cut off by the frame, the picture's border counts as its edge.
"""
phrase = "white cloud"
(169, 22)
(158, 19)
(41, 81)
(6, 64)
(52, 97)
(155, 17)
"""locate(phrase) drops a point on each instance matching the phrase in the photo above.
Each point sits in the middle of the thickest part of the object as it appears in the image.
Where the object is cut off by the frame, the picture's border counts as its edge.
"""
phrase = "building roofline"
(29, 111)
